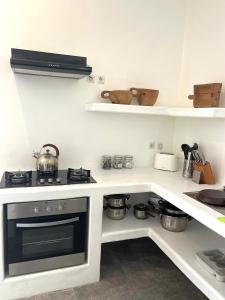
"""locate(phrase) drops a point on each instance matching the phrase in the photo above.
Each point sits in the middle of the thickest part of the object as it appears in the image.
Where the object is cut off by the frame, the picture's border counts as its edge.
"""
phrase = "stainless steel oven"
(45, 235)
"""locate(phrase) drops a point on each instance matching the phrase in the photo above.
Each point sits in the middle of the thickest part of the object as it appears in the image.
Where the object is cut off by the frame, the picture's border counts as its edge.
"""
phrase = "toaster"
(166, 161)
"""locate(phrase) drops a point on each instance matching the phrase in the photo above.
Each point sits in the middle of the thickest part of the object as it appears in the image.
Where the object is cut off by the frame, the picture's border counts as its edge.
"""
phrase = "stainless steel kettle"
(47, 162)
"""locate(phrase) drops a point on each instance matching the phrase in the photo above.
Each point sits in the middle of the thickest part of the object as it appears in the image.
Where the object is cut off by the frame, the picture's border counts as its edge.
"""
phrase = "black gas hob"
(37, 178)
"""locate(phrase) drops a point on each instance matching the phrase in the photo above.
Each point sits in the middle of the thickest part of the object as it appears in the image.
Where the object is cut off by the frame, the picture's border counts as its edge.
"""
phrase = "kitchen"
(164, 51)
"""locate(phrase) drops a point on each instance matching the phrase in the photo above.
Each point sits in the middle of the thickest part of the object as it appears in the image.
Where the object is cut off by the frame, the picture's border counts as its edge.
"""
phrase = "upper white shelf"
(212, 112)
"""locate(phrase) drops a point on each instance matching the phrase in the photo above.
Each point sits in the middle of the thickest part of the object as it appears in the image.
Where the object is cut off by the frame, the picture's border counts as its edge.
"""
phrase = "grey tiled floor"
(133, 270)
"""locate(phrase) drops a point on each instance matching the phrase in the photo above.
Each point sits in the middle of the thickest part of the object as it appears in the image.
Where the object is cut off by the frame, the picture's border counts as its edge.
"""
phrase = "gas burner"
(18, 177)
(34, 179)
(78, 174)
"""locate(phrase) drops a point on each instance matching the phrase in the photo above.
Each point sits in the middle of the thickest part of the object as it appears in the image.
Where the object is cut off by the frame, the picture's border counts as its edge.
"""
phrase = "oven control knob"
(58, 179)
(48, 208)
(50, 180)
(36, 210)
(60, 207)
(42, 180)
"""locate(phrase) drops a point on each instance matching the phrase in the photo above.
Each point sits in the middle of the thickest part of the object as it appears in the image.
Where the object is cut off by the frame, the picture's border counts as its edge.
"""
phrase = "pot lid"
(167, 207)
(141, 206)
(117, 196)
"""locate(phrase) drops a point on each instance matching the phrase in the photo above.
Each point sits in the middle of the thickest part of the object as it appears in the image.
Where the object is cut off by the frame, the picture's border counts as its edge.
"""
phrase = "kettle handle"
(52, 146)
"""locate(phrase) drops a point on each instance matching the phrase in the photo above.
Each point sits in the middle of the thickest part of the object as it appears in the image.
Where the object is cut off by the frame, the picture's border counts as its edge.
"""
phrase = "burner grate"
(18, 177)
(78, 174)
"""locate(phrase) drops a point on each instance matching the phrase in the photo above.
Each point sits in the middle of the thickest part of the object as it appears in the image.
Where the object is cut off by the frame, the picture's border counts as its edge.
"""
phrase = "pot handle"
(150, 214)
(161, 202)
(128, 206)
(189, 218)
(161, 205)
(52, 146)
(150, 204)
(134, 91)
(105, 94)
(127, 196)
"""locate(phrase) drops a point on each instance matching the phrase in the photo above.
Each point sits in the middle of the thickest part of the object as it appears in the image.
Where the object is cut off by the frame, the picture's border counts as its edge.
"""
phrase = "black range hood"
(49, 64)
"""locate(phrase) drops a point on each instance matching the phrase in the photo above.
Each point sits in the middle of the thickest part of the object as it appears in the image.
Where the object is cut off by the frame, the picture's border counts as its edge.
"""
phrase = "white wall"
(204, 47)
(210, 135)
(132, 43)
(203, 62)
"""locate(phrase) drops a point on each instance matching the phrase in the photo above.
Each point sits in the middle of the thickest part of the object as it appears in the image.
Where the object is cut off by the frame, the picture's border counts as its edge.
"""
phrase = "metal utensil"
(185, 148)
(194, 147)
(199, 157)
(188, 166)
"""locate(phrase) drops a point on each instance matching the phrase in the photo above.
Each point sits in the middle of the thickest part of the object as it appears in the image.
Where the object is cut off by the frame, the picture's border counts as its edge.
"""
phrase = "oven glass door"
(42, 237)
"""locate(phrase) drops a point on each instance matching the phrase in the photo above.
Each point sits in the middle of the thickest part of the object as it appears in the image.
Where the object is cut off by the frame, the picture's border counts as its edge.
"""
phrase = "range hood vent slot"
(49, 64)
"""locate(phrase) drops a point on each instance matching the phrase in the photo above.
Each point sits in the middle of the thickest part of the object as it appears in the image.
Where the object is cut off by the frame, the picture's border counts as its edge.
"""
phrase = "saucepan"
(143, 211)
(172, 218)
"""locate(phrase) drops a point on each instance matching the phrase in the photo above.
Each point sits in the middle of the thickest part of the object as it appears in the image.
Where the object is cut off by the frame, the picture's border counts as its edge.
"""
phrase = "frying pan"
(213, 197)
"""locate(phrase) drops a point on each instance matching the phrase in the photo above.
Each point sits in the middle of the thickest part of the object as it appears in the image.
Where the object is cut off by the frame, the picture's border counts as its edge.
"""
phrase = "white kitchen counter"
(168, 185)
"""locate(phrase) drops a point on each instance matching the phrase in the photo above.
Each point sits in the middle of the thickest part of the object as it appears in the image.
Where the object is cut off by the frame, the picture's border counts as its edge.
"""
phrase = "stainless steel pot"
(117, 200)
(142, 211)
(116, 213)
(172, 218)
(174, 223)
(116, 206)
(47, 162)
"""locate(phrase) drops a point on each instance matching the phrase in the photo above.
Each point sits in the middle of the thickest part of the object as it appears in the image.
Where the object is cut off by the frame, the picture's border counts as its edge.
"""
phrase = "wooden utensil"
(118, 96)
(206, 95)
(145, 97)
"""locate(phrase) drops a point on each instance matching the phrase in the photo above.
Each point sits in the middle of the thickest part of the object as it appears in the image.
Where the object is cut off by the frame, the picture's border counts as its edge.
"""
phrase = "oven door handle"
(47, 224)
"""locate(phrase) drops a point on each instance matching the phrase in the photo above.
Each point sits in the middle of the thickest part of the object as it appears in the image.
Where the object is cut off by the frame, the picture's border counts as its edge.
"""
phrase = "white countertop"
(169, 185)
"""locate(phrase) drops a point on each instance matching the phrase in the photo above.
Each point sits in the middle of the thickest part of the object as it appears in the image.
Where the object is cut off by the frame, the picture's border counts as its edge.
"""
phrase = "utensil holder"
(206, 174)
(188, 168)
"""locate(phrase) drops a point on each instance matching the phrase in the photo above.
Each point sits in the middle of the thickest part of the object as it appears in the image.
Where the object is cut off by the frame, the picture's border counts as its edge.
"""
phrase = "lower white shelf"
(179, 247)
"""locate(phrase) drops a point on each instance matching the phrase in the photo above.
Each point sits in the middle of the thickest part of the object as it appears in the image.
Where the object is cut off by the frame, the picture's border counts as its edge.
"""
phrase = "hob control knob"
(60, 207)
(50, 180)
(42, 180)
(48, 208)
(36, 210)
(58, 180)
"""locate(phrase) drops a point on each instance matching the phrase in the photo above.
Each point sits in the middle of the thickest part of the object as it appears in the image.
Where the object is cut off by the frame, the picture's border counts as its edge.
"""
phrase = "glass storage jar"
(118, 162)
(128, 162)
(106, 162)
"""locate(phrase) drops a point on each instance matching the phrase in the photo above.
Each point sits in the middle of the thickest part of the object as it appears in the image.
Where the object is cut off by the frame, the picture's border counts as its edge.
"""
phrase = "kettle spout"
(36, 155)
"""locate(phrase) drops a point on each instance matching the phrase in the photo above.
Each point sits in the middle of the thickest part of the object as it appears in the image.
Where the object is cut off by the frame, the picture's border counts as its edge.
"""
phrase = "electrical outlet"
(101, 79)
(160, 146)
(152, 145)
(91, 78)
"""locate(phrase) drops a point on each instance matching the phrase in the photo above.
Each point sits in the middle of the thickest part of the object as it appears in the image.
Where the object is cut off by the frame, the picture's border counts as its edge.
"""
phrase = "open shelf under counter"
(210, 112)
(179, 247)
(125, 229)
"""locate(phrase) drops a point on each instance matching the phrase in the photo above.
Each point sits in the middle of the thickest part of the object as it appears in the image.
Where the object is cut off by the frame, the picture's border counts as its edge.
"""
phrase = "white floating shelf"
(179, 247)
(211, 112)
